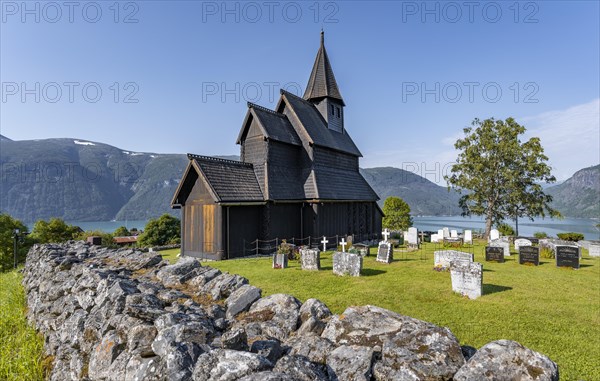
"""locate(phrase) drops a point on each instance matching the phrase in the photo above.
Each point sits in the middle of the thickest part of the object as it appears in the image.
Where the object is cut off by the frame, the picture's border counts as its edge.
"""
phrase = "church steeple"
(322, 90)
(322, 82)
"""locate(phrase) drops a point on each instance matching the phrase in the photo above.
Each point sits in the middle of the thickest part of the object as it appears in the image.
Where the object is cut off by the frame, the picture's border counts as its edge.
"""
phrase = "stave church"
(298, 177)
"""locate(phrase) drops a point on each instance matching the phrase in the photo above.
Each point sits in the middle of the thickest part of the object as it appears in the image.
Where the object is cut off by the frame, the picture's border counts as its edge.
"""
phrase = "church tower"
(322, 90)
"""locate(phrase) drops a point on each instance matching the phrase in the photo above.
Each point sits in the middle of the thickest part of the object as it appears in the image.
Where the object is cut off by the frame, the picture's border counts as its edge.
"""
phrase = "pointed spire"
(322, 82)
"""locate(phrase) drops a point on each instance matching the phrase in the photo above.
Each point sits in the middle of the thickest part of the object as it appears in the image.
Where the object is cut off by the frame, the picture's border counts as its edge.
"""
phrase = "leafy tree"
(7, 228)
(161, 231)
(121, 231)
(397, 214)
(574, 237)
(540, 235)
(496, 174)
(54, 231)
(506, 229)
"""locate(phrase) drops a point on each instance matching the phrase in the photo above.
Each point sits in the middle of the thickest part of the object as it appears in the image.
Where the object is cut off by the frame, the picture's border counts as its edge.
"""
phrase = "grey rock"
(203, 276)
(180, 361)
(314, 348)
(144, 369)
(226, 364)
(270, 349)
(103, 355)
(241, 299)
(178, 273)
(277, 315)
(235, 339)
(301, 369)
(267, 376)
(144, 306)
(366, 325)
(420, 352)
(196, 332)
(223, 285)
(350, 362)
(467, 351)
(314, 308)
(140, 339)
(508, 360)
(312, 326)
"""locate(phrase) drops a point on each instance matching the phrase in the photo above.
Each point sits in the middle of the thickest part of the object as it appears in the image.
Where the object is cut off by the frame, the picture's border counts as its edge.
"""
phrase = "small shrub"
(574, 237)
(448, 244)
(287, 249)
(505, 229)
(546, 252)
(353, 250)
(540, 235)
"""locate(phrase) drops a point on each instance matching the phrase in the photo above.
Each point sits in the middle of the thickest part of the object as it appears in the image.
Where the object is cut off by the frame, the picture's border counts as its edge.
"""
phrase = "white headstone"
(324, 242)
(446, 232)
(443, 258)
(503, 244)
(594, 250)
(494, 234)
(453, 234)
(468, 237)
(521, 242)
(441, 234)
(435, 238)
(413, 236)
(467, 279)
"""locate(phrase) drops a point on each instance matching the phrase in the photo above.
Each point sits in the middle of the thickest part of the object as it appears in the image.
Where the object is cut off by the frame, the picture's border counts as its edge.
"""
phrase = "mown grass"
(548, 309)
(21, 348)
(170, 255)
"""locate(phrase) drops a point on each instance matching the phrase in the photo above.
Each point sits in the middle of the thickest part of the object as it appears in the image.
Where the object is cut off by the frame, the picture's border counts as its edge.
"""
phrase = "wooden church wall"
(244, 227)
(329, 158)
(201, 222)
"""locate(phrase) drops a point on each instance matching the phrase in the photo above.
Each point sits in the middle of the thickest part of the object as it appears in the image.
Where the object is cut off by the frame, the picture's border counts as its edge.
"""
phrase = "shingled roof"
(322, 82)
(314, 125)
(327, 183)
(274, 125)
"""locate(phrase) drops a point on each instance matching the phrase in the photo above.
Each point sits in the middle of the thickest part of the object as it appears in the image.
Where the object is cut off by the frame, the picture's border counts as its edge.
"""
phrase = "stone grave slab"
(435, 238)
(453, 233)
(385, 253)
(567, 256)
(280, 261)
(529, 254)
(347, 264)
(362, 249)
(594, 250)
(310, 259)
(467, 278)
(494, 253)
(444, 258)
(503, 244)
(468, 238)
(494, 234)
(446, 233)
(522, 242)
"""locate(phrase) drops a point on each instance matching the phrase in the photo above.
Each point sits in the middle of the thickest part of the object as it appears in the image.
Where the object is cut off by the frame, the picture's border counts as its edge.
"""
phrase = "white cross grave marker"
(324, 242)
(386, 233)
(343, 243)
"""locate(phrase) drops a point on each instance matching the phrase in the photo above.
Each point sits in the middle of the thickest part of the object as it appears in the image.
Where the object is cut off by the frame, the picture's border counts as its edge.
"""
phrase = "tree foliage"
(7, 228)
(397, 214)
(54, 231)
(121, 231)
(164, 230)
(498, 176)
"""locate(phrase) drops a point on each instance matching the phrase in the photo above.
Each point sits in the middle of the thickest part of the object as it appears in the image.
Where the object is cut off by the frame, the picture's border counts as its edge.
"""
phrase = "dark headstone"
(529, 254)
(567, 256)
(494, 253)
(384, 253)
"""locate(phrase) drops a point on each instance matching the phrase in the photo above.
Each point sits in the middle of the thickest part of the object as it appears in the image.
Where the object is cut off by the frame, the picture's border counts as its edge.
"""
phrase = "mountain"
(579, 196)
(423, 196)
(4, 139)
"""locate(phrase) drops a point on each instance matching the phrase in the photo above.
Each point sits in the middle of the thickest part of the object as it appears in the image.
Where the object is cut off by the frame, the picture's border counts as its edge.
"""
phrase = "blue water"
(526, 227)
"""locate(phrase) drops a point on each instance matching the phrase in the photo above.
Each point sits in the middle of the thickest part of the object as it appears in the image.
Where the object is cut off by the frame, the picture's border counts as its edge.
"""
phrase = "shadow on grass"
(371, 272)
(326, 268)
(493, 288)
(488, 270)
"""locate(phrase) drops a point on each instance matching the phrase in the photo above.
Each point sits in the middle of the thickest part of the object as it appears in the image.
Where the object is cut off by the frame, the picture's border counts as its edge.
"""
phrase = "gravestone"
(468, 237)
(521, 242)
(384, 253)
(567, 256)
(362, 249)
(494, 253)
(413, 237)
(453, 233)
(503, 244)
(446, 233)
(347, 264)
(467, 279)
(280, 261)
(441, 234)
(529, 254)
(594, 250)
(435, 238)
(443, 258)
(310, 259)
(494, 234)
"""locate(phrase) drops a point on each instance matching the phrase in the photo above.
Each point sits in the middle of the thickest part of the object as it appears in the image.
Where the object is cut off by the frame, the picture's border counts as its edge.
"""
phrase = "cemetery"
(486, 297)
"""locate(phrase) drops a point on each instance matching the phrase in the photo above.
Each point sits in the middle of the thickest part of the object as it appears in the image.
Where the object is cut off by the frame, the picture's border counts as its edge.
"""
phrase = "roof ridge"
(282, 91)
(254, 105)
(217, 159)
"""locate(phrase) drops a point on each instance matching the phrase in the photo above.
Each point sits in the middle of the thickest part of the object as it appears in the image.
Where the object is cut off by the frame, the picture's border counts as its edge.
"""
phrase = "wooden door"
(208, 217)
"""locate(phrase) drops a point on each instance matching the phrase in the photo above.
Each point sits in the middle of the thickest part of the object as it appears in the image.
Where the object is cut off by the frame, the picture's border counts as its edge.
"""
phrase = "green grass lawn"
(21, 357)
(548, 309)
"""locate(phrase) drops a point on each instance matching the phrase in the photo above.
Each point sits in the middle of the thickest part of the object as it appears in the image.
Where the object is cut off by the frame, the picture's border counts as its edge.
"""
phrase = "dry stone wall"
(127, 315)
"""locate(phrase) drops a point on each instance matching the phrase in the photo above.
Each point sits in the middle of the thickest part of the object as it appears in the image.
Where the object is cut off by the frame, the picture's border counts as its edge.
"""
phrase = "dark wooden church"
(298, 177)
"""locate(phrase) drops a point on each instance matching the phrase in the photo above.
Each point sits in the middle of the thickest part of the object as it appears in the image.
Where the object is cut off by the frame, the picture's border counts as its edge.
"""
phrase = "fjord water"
(585, 226)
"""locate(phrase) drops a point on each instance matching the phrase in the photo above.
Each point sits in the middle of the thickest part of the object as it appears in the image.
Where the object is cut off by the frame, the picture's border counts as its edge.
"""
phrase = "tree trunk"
(488, 224)
(516, 226)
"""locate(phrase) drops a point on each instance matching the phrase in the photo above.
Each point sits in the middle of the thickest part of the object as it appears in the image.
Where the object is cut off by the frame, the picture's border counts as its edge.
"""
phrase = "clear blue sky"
(180, 58)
